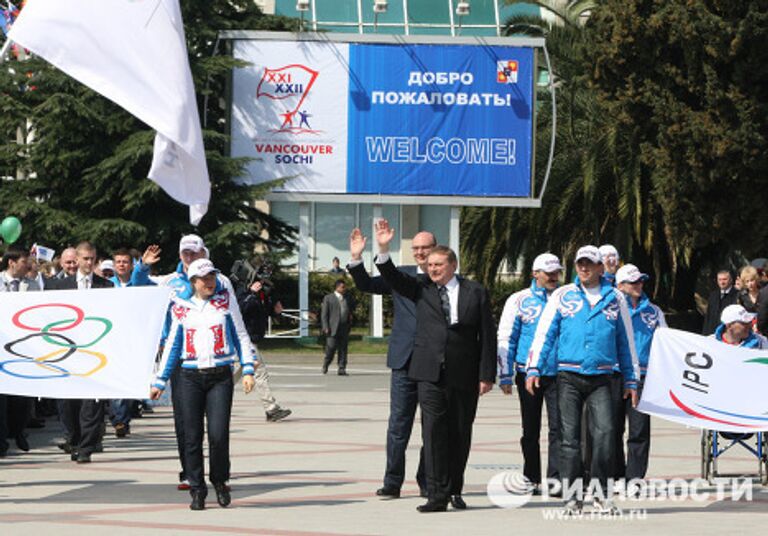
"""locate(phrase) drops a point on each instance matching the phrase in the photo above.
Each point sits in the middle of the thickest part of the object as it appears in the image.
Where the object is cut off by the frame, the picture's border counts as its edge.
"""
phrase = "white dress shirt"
(84, 281)
(453, 297)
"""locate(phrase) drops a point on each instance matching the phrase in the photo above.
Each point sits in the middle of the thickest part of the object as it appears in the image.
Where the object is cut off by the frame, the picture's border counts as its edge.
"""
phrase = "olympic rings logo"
(49, 366)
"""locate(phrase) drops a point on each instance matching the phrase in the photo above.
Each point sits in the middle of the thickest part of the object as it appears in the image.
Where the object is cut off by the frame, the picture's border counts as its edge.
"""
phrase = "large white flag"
(134, 53)
(80, 344)
(702, 382)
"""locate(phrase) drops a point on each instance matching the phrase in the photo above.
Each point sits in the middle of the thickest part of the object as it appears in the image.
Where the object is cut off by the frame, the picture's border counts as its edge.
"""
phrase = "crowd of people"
(580, 348)
(203, 374)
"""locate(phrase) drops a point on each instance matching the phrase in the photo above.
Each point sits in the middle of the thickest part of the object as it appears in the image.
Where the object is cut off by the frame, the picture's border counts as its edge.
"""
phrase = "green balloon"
(10, 229)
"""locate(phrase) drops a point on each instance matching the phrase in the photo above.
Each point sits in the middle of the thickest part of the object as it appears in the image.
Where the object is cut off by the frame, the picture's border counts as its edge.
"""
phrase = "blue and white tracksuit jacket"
(203, 335)
(517, 327)
(583, 339)
(182, 288)
(754, 340)
(646, 319)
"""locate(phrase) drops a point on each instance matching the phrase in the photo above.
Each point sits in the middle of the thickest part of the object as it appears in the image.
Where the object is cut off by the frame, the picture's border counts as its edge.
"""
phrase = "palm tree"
(568, 12)
(598, 191)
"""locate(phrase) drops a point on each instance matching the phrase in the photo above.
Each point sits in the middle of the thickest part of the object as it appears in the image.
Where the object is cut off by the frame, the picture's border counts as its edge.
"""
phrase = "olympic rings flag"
(75, 344)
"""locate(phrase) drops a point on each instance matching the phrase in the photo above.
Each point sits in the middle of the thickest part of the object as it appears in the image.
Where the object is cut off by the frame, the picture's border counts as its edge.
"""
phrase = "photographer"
(257, 303)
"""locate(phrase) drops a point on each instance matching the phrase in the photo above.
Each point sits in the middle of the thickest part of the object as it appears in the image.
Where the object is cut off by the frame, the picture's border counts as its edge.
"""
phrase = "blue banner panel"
(440, 120)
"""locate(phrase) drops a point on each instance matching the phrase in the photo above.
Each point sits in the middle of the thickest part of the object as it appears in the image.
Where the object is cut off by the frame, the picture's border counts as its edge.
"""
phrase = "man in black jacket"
(453, 361)
(403, 391)
(719, 299)
(84, 418)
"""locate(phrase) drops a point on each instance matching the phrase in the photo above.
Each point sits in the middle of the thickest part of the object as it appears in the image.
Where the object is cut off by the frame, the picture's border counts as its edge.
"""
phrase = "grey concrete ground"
(316, 473)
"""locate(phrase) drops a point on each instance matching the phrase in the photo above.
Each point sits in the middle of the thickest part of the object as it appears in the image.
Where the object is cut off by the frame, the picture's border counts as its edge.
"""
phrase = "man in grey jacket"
(336, 318)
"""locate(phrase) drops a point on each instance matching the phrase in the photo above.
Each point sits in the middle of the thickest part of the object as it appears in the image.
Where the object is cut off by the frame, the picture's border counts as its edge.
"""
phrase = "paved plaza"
(316, 473)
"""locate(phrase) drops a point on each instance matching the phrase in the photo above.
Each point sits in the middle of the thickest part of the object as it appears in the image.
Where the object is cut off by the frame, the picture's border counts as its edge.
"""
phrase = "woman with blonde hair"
(750, 291)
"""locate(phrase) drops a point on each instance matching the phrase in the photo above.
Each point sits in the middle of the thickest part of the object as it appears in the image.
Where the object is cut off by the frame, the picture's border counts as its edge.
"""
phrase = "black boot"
(222, 495)
(198, 500)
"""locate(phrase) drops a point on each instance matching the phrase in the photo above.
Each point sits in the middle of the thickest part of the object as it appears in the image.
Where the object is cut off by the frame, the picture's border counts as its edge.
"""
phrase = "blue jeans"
(403, 400)
(206, 395)
(120, 410)
(574, 391)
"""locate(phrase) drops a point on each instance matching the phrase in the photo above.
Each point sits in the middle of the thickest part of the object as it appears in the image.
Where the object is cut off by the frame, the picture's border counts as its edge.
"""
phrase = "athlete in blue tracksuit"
(736, 328)
(646, 319)
(517, 327)
(585, 330)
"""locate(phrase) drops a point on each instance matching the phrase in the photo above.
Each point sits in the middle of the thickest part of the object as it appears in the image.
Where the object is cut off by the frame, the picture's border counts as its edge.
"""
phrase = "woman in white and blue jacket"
(203, 341)
(517, 327)
(646, 319)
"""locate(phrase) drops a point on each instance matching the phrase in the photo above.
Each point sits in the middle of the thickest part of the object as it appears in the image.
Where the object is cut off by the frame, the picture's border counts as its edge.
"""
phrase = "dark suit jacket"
(465, 351)
(715, 306)
(330, 314)
(70, 282)
(404, 323)
(762, 310)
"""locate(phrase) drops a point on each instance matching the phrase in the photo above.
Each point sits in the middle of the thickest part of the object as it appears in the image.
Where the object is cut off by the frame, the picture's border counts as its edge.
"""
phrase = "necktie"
(13, 286)
(445, 303)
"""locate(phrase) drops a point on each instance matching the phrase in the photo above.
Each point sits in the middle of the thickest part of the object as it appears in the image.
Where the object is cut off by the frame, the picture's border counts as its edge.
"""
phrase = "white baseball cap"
(629, 273)
(606, 250)
(591, 253)
(547, 262)
(191, 242)
(200, 268)
(736, 313)
(107, 265)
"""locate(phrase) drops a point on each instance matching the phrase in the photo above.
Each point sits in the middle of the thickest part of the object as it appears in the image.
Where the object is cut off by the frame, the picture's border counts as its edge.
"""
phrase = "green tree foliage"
(660, 143)
(73, 165)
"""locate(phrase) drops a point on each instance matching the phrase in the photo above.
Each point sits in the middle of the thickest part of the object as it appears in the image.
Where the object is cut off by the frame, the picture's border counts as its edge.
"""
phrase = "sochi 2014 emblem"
(506, 71)
(289, 85)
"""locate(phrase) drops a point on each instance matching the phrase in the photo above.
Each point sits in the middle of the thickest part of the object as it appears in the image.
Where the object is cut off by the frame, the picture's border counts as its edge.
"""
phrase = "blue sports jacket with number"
(587, 340)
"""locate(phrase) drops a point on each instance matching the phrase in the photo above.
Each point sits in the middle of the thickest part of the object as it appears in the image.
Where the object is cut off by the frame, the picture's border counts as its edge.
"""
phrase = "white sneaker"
(606, 507)
(573, 508)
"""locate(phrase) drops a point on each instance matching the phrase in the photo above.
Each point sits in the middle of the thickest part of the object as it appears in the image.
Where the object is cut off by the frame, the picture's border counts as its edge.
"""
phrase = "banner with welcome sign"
(400, 118)
(702, 382)
(80, 344)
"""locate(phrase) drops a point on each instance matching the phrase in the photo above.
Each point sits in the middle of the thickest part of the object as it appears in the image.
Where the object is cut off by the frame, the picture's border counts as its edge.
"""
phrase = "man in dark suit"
(453, 361)
(719, 299)
(403, 394)
(15, 411)
(84, 418)
(336, 319)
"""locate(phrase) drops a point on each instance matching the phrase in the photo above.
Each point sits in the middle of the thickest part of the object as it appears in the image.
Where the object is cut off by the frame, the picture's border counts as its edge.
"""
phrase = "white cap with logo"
(607, 250)
(629, 273)
(107, 265)
(591, 253)
(191, 242)
(547, 262)
(736, 313)
(200, 268)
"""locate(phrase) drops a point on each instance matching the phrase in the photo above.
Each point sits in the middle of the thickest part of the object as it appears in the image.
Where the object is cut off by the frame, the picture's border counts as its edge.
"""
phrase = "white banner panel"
(80, 344)
(289, 113)
(702, 382)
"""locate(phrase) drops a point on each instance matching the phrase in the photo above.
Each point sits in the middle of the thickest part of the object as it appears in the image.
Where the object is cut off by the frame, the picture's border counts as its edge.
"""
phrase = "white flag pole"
(5, 49)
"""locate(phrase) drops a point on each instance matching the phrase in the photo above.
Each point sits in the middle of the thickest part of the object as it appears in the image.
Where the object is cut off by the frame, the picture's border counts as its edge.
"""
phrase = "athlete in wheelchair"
(736, 328)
